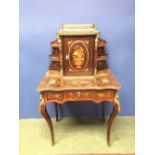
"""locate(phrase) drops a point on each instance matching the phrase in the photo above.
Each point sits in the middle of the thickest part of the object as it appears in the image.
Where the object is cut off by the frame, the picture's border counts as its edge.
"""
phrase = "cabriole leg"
(44, 113)
(116, 109)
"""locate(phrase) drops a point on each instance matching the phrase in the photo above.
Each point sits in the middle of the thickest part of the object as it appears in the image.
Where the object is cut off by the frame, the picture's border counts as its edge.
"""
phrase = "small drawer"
(79, 95)
(104, 95)
(54, 96)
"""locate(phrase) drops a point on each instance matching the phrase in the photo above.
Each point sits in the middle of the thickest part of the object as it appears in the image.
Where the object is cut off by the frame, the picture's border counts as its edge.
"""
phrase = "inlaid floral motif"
(78, 56)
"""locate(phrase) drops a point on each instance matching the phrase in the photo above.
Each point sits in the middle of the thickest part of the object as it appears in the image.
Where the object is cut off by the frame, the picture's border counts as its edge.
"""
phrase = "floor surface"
(77, 136)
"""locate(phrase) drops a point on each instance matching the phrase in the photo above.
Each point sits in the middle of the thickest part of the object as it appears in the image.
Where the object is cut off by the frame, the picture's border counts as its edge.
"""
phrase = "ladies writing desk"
(78, 72)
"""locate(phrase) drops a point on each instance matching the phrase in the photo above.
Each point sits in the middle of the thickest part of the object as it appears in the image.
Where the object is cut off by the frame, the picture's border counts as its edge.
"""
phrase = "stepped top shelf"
(78, 29)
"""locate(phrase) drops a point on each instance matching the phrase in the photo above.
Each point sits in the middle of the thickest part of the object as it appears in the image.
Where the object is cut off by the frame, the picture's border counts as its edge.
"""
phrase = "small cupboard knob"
(67, 57)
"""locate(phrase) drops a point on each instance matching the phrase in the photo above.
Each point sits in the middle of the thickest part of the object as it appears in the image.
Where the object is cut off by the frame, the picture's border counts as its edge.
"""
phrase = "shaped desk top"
(52, 82)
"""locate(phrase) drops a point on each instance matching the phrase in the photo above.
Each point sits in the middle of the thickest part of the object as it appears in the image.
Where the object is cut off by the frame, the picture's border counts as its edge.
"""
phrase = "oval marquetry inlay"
(78, 55)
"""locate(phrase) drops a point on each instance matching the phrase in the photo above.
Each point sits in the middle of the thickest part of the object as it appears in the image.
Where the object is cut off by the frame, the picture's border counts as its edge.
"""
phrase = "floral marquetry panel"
(78, 55)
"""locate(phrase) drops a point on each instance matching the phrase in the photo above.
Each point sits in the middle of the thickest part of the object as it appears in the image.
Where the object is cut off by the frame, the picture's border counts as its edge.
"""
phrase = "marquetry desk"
(78, 72)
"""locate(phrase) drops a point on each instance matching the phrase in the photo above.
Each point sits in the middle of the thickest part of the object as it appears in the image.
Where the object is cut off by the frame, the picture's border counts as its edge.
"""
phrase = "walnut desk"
(78, 72)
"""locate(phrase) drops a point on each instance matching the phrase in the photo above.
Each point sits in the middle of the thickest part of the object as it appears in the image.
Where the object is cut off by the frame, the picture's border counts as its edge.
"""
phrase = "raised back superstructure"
(78, 50)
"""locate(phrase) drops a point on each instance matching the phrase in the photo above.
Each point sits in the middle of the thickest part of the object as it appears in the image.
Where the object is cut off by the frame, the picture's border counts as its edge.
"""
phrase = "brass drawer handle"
(79, 94)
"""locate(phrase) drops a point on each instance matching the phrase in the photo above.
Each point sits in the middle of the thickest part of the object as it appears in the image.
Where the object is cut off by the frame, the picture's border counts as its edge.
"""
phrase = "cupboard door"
(78, 55)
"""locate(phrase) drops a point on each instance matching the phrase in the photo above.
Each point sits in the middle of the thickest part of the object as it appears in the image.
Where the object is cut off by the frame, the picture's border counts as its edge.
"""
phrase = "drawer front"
(104, 95)
(58, 96)
(79, 95)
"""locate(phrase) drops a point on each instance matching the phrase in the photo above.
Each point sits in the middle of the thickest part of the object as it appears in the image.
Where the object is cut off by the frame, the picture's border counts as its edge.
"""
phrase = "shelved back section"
(78, 51)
